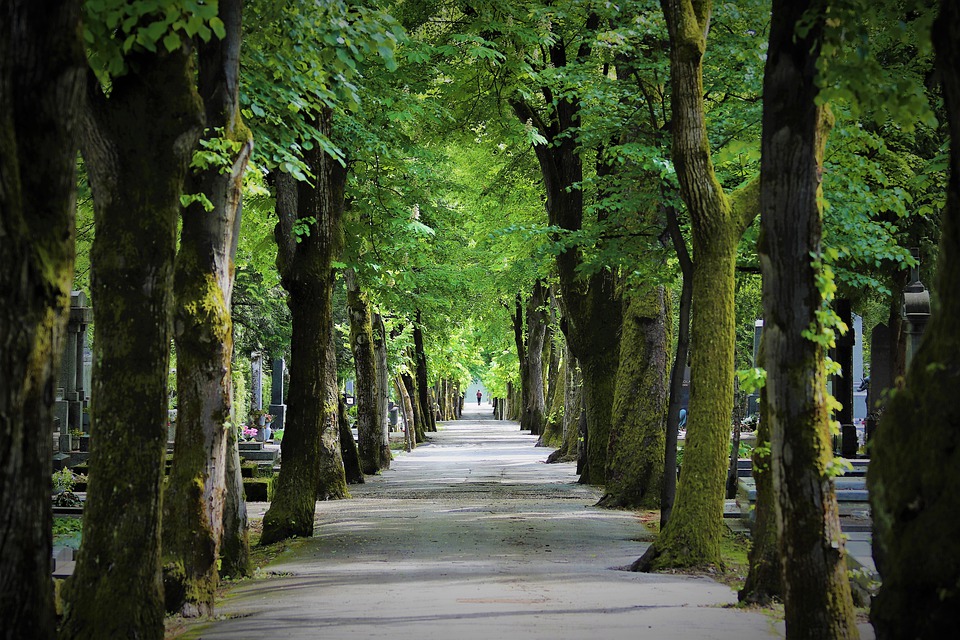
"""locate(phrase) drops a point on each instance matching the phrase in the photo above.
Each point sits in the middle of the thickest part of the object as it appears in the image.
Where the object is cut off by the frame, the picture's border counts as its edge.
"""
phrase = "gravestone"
(277, 408)
(72, 394)
(915, 309)
(843, 383)
(256, 368)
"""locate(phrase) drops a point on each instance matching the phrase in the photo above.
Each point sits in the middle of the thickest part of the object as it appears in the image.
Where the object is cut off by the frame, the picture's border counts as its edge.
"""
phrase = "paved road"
(472, 537)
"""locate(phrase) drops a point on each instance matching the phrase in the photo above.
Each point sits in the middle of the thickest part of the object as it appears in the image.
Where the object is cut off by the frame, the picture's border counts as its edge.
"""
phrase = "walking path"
(472, 537)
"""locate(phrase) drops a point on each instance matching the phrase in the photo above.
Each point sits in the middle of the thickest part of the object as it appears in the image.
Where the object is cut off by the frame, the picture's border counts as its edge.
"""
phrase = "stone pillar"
(843, 383)
(256, 372)
(881, 374)
(915, 310)
(277, 408)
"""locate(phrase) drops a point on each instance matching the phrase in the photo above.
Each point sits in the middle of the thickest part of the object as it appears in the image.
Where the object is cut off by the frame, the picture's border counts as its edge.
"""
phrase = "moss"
(637, 437)
(258, 489)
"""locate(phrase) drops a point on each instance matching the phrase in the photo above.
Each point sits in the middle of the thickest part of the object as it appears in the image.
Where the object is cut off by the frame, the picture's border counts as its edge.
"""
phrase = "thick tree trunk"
(423, 384)
(914, 476)
(637, 436)
(572, 408)
(383, 387)
(369, 417)
(203, 286)
(305, 266)
(334, 448)
(41, 85)
(418, 429)
(136, 175)
(696, 523)
(553, 424)
(816, 588)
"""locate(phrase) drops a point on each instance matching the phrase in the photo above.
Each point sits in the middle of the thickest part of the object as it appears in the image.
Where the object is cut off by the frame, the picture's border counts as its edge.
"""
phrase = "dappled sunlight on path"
(472, 535)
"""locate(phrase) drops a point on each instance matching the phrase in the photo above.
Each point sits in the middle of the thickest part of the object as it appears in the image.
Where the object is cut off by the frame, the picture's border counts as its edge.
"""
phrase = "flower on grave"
(268, 417)
(248, 432)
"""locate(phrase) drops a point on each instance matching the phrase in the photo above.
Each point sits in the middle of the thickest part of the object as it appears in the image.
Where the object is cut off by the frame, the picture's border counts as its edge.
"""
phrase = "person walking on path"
(479, 395)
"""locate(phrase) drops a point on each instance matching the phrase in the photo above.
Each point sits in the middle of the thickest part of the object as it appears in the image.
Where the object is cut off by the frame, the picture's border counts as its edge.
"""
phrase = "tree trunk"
(41, 85)
(383, 387)
(418, 429)
(572, 407)
(669, 490)
(136, 175)
(369, 417)
(203, 286)
(304, 263)
(553, 425)
(914, 473)
(423, 379)
(764, 582)
(817, 599)
(591, 306)
(235, 546)
(717, 222)
(408, 439)
(353, 473)
(532, 381)
(637, 437)
(332, 480)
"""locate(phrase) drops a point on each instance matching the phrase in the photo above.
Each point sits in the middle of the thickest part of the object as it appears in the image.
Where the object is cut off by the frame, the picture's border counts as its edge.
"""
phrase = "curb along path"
(470, 537)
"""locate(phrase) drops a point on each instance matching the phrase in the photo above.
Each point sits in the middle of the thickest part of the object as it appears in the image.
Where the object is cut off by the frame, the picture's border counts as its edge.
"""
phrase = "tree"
(816, 589)
(692, 536)
(136, 175)
(913, 535)
(203, 283)
(370, 419)
(41, 84)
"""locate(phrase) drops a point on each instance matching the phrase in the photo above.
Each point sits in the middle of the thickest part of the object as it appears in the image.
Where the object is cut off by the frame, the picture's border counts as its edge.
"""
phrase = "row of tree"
(414, 152)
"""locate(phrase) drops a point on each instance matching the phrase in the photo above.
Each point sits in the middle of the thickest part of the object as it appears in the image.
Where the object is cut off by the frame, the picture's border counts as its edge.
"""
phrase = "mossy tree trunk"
(383, 387)
(816, 589)
(914, 475)
(637, 435)
(552, 435)
(137, 143)
(235, 545)
(668, 492)
(764, 580)
(418, 428)
(692, 536)
(203, 285)
(41, 85)
(353, 473)
(369, 417)
(334, 448)
(304, 263)
(422, 375)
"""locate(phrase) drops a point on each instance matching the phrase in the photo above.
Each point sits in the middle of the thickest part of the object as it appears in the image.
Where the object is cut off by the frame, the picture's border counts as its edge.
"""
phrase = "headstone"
(277, 408)
(843, 383)
(881, 374)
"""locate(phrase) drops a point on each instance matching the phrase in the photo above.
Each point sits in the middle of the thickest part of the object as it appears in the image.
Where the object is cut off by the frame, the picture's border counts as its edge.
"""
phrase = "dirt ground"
(470, 537)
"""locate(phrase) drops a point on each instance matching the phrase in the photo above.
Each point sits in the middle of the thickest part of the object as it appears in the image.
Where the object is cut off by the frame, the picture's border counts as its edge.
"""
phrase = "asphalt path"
(472, 536)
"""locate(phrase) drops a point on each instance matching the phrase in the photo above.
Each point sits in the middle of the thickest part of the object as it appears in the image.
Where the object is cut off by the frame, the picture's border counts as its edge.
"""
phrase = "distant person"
(683, 419)
(479, 395)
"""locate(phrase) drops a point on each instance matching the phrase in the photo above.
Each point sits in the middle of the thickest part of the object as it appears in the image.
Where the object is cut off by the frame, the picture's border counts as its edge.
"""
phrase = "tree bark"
(409, 441)
(669, 489)
(423, 378)
(203, 286)
(914, 474)
(382, 387)
(637, 436)
(41, 85)
(532, 373)
(816, 588)
(235, 546)
(764, 581)
(137, 143)
(369, 417)
(717, 222)
(334, 447)
(353, 473)
(305, 269)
